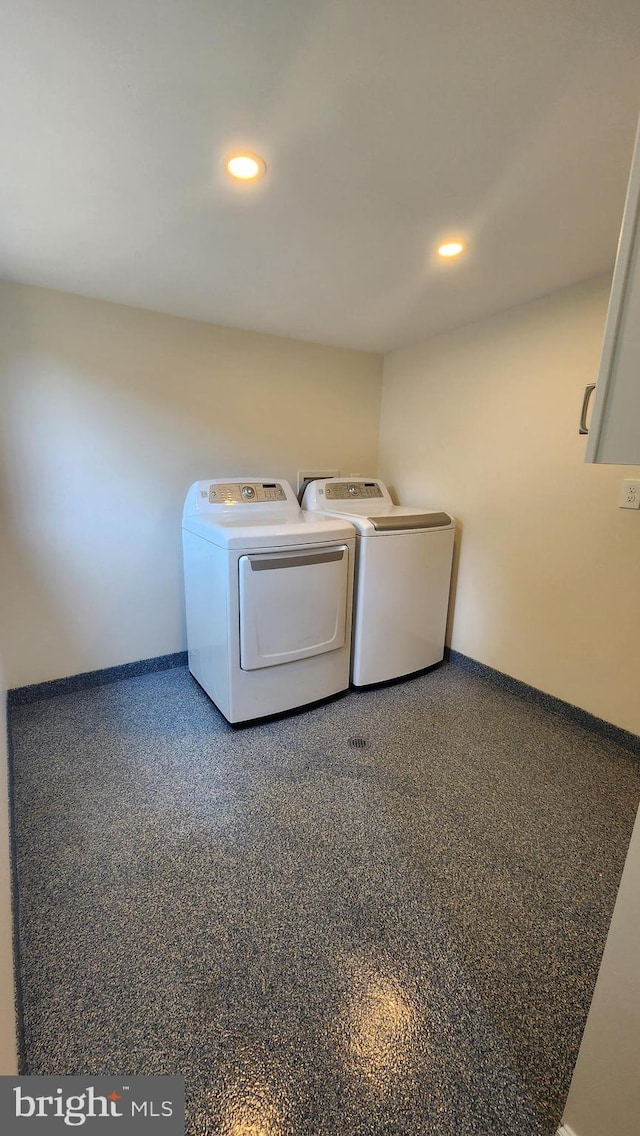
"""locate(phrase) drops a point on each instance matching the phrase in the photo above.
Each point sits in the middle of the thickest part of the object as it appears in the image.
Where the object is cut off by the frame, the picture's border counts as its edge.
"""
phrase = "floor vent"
(358, 743)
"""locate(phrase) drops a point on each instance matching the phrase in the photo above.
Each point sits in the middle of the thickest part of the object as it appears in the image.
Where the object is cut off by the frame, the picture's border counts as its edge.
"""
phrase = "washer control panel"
(245, 492)
(352, 490)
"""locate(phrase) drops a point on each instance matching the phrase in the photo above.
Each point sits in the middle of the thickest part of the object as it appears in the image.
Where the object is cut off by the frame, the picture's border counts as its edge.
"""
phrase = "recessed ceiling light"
(245, 167)
(451, 248)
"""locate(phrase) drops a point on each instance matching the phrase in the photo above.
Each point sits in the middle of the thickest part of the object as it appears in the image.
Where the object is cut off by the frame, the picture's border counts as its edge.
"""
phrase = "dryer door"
(292, 604)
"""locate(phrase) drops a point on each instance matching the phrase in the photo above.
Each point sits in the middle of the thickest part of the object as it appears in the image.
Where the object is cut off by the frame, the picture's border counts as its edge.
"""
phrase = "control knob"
(248, 492)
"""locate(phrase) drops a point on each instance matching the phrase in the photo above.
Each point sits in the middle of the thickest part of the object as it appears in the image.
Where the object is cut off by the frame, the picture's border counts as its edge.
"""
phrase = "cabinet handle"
(588, 391)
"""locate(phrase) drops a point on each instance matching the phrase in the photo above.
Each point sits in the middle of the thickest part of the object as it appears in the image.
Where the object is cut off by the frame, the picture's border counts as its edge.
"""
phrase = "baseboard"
(564, 1131)
(548, 702)
(21, 695)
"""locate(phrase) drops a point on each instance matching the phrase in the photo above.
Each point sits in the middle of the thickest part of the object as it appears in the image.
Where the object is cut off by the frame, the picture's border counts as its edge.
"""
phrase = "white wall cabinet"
(614, 433)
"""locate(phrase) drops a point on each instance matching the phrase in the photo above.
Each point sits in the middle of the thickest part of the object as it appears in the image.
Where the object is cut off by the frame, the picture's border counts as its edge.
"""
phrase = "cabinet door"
(614, 434)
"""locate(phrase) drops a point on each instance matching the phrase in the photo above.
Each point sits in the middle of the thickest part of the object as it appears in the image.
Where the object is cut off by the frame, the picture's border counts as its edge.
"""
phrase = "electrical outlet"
(629, 494)
(305, 475)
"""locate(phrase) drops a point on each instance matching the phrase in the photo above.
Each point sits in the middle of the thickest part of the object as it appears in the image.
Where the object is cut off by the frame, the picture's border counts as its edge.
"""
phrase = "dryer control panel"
(222, 494)
(245, 492)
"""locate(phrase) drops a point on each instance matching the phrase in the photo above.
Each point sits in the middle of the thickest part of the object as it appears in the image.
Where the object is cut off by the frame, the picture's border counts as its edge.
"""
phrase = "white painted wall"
(483, 422)
(8, 1052)
(604, 1098)
(109, 413)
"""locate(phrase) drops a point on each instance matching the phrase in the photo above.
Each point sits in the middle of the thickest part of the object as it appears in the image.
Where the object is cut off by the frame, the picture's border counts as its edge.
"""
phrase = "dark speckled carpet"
(325, 941)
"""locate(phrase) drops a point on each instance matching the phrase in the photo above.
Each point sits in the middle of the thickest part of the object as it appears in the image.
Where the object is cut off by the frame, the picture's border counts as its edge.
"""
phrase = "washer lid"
(393, 519)
(288, 528)
(367, 504)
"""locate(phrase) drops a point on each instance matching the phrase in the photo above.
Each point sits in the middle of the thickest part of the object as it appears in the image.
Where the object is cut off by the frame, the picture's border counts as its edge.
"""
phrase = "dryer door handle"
(268, 564)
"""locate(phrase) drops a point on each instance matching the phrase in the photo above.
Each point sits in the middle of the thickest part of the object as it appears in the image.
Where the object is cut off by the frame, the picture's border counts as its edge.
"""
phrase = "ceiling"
(385, 125)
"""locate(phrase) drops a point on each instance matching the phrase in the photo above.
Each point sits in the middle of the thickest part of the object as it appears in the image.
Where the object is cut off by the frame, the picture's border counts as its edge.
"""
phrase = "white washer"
(268, 597)
(403, 575)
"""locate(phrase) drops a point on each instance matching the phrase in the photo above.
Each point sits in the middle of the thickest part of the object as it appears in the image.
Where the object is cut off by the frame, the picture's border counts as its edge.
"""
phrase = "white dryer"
(268, 597)
(403, 575)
